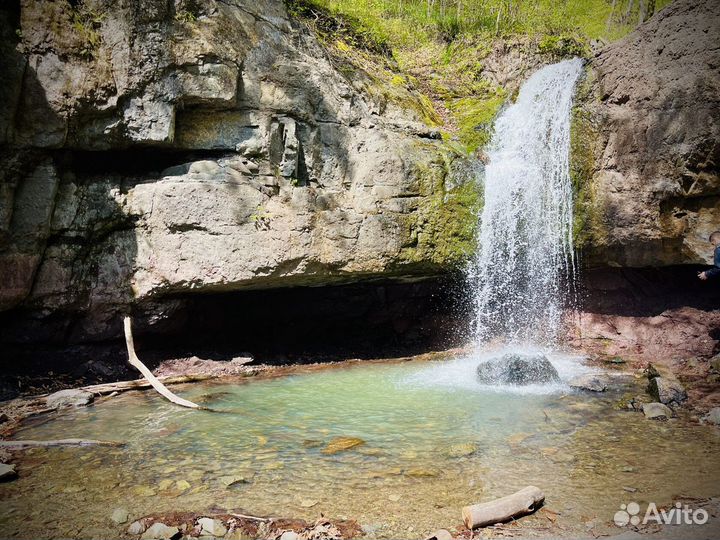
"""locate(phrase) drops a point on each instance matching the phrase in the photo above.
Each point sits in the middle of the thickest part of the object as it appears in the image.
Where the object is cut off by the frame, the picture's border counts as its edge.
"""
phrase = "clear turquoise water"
(434, 441)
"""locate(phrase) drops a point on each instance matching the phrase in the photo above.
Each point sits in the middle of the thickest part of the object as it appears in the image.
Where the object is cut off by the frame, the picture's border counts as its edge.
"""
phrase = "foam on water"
(460, 373)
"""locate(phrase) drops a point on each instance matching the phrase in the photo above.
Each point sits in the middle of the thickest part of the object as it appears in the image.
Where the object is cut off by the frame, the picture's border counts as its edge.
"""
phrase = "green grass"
(409, 23)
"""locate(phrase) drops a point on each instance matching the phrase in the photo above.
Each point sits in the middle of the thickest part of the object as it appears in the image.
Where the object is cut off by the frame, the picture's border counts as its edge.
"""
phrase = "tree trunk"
(524, 502)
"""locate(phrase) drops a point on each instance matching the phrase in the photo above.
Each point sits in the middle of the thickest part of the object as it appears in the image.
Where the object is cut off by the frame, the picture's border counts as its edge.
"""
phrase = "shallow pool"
(425, 439)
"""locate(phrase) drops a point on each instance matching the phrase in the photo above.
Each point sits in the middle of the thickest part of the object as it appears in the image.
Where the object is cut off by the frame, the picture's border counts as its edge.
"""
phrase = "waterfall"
(525, 259)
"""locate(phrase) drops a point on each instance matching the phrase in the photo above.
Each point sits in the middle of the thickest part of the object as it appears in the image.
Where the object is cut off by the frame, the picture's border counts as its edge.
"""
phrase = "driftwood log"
(140, 384)
(152, 379)
(19, 445)
(524, 502)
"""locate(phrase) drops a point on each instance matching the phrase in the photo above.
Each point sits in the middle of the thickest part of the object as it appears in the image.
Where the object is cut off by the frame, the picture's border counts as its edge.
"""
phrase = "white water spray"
(525, 257)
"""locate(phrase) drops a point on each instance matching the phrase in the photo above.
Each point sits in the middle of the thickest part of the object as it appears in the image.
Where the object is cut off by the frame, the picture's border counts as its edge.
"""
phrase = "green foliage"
(185, 16)
(408, 23)
(86, 22)
(563, 46)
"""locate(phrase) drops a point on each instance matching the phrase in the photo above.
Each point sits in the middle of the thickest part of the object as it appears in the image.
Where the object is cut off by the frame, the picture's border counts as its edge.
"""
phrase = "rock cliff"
(646, 142)
(157, 148)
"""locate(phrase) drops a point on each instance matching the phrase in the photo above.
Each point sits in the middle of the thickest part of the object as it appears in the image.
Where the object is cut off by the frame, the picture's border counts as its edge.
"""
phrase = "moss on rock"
(443, 231)
(583, 145)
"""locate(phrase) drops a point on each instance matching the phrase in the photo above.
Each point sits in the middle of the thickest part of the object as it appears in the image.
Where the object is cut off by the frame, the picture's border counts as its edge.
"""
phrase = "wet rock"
(657, 411)
(462, 450)
(440, 534)
(212, 527)
(136, 527)
(518, 369)
(419, 472)
(341, 444)
(590, 382)
(69, 398)
(120, 516)
(160, 531)
(7, 472)
(712, 417)
(667, 391)
(229, 481)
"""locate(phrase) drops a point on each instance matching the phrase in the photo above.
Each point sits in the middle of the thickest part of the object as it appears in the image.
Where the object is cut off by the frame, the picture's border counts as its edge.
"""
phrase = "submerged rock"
(462, 450)
(518, 369)
(590, 382)
(120, 516)
(657, 411)
(69, 398)
(340, 444)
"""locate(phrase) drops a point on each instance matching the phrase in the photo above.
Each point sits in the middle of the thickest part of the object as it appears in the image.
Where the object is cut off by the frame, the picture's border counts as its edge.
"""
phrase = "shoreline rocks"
(657, 411)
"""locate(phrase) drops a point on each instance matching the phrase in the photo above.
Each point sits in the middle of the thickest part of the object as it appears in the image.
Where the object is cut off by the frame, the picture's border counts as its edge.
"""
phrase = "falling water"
(525, 258)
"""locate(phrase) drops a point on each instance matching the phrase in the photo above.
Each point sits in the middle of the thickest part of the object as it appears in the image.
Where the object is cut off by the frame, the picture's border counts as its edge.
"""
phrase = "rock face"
(157, 148)
(652, 107)
(517, 369)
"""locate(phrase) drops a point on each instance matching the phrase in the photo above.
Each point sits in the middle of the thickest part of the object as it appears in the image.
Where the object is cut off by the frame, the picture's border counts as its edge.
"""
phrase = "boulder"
(657, 411)
(517, 369)
(136, 527)
(593, 383)
(69, 398)
(667, 391)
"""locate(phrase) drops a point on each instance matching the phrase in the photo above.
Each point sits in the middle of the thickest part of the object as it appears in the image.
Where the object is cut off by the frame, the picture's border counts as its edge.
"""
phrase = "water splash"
(525, 258)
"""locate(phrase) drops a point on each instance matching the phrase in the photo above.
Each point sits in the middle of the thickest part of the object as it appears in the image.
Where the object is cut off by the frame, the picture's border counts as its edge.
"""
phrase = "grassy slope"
(436, 53)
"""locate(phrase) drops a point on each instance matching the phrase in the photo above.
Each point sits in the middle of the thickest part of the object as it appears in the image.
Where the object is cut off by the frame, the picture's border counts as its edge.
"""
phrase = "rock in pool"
(340, 444)
(518, 369)
(657, 411)
(590, 382)
(68, 398)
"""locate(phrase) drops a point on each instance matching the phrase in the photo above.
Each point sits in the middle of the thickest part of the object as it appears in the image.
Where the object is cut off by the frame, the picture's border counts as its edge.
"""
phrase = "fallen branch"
(19, 445)
(524, 502)
(152, 379)
(251, 518)
(140, 384)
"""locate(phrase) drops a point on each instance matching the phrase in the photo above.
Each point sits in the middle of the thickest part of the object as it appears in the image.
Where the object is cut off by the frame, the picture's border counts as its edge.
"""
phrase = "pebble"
(341, 444)
(136, 527)
(712, 417)
(159, 531)
(7, 472)
(120, 516)
(440, 534)
(289, 535)
(212, 527)
(462, 450)
(629, 489)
